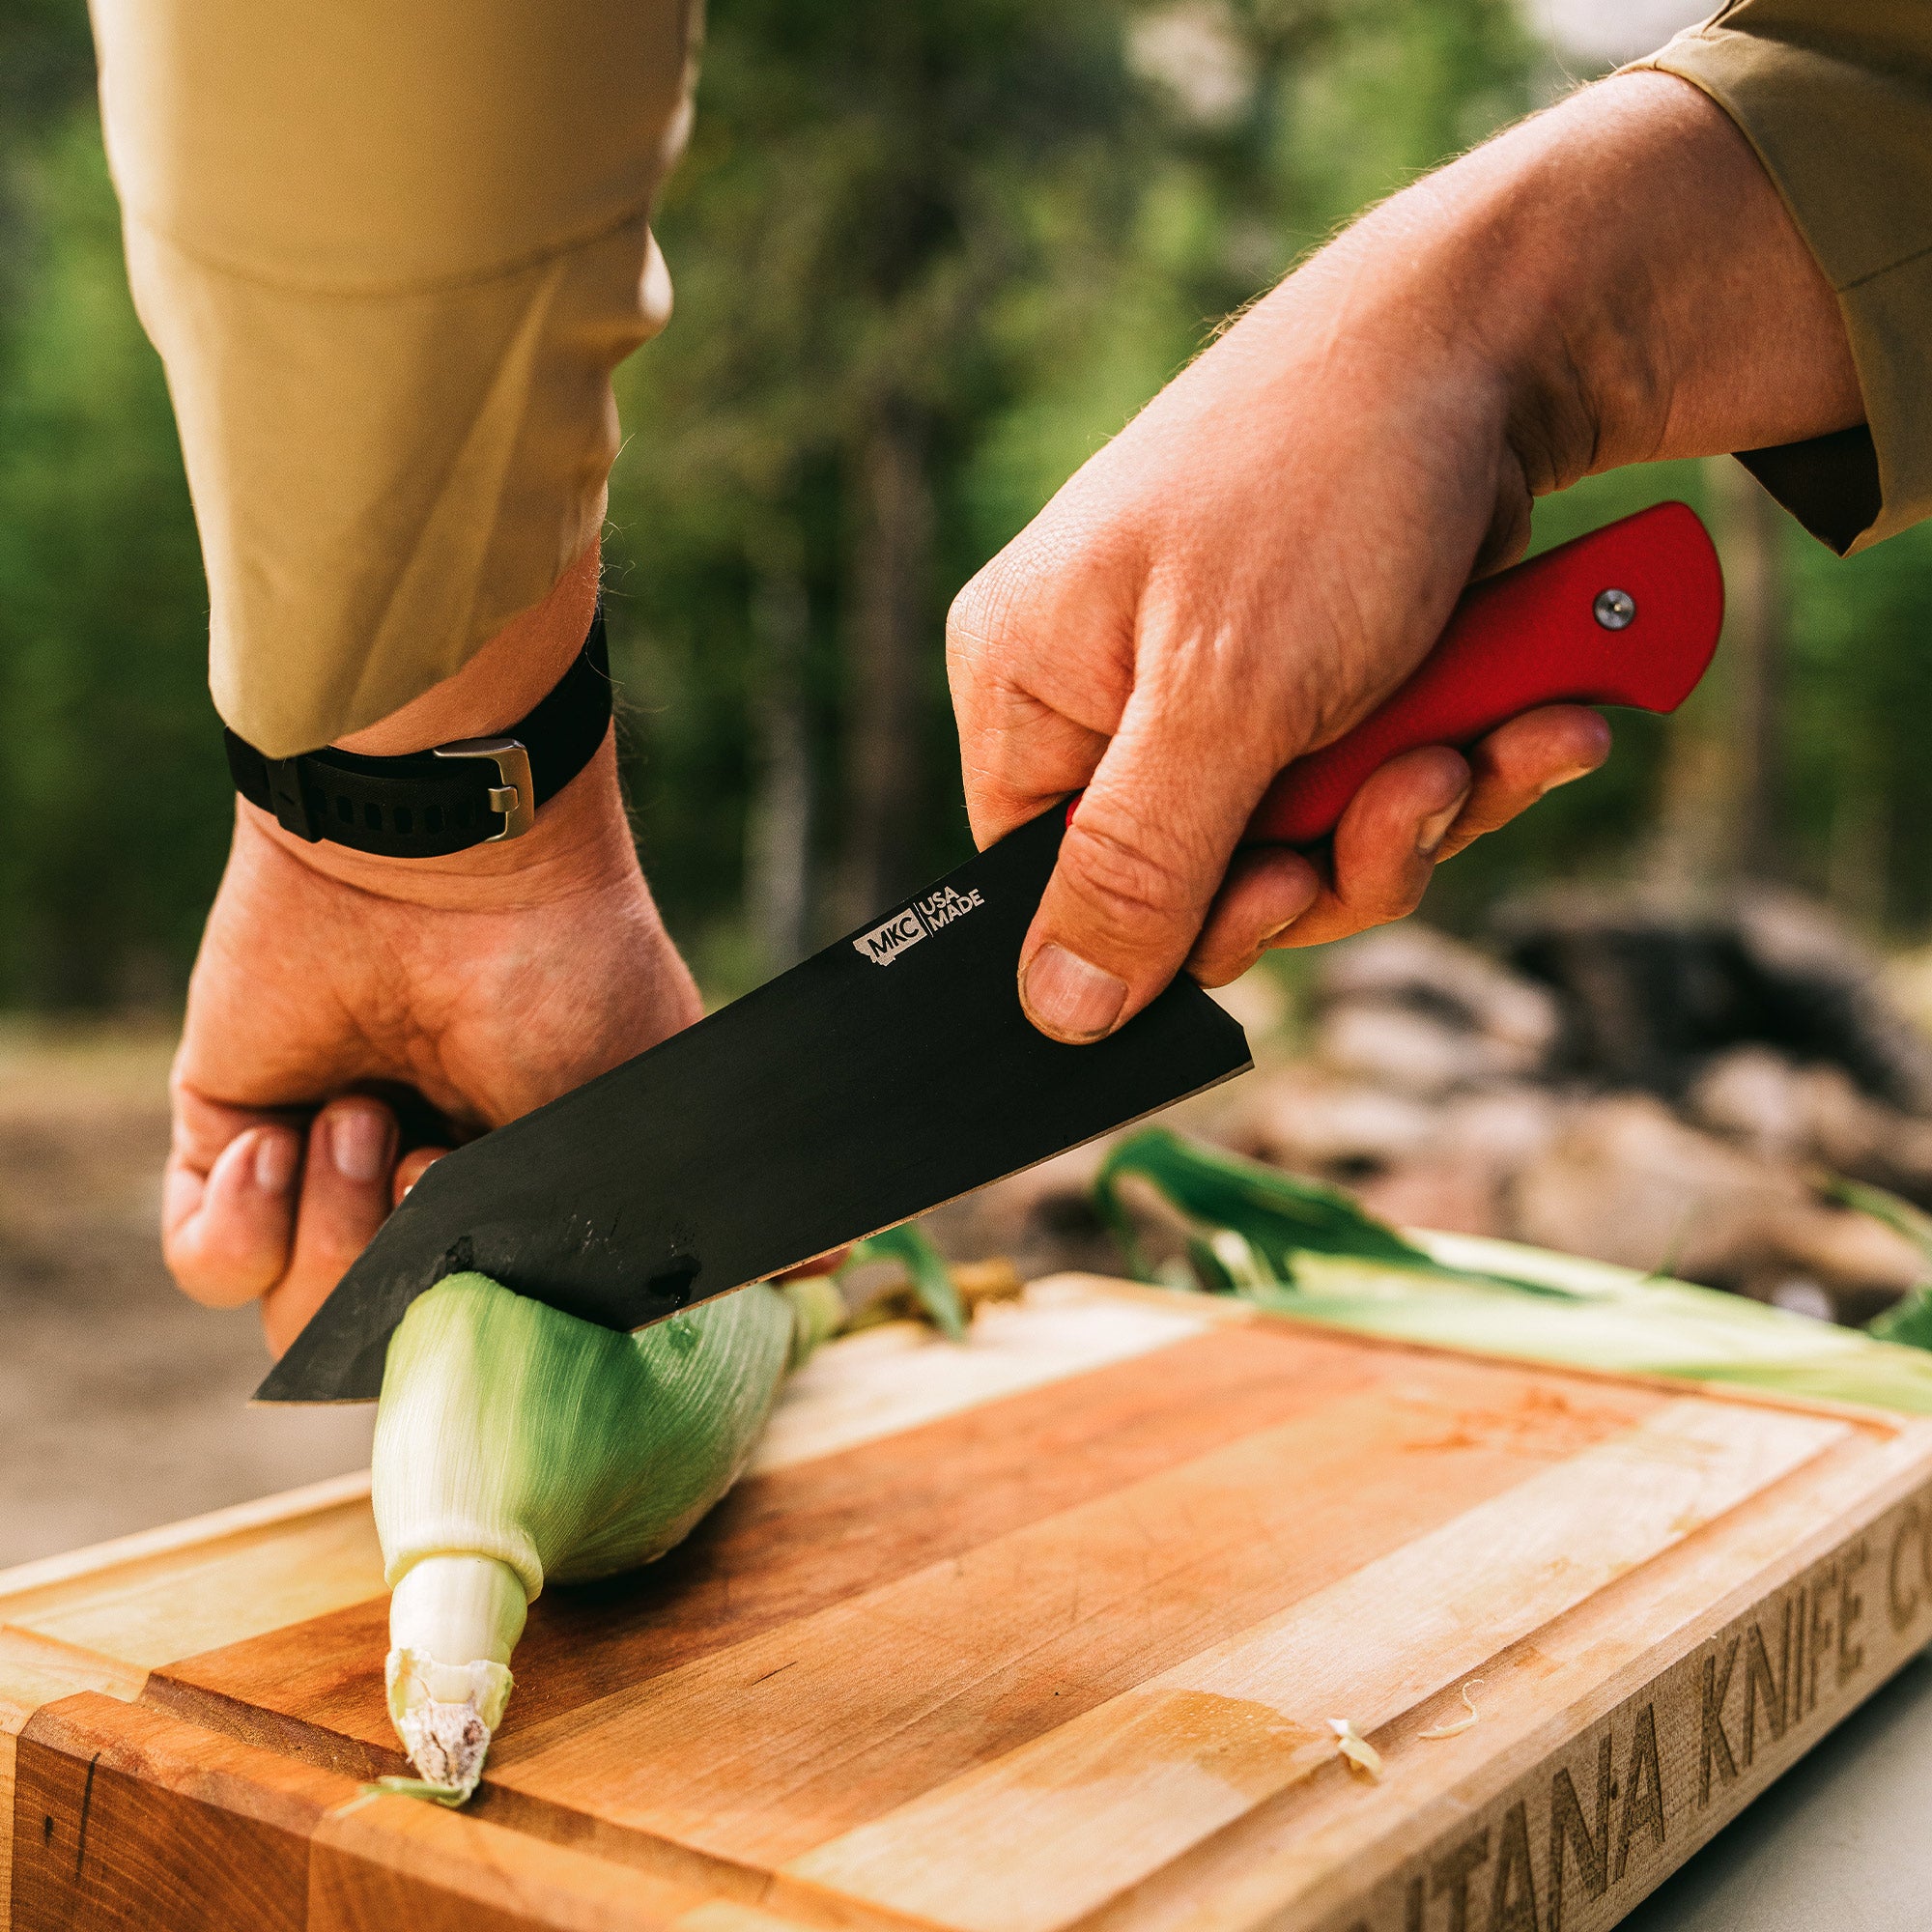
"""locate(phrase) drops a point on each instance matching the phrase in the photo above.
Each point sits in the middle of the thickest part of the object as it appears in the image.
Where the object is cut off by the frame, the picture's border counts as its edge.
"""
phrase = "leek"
(1298, 1248)
(517, 1446)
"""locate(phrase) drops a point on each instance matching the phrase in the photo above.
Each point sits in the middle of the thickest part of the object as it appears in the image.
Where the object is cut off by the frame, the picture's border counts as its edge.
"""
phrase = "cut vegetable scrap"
(933, 1290)
(1909, 1321)
(1357, 1748)
(1461, 1725)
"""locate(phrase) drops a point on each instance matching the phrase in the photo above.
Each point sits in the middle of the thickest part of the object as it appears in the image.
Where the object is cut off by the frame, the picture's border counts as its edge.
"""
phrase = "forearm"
(1623, 268)
(1691, 320)
(1613, 282)
(1271, 547)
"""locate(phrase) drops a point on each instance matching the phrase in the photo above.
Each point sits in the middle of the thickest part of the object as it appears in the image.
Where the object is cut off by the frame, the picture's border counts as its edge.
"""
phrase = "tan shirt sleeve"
(1835, 96)
(389, 251)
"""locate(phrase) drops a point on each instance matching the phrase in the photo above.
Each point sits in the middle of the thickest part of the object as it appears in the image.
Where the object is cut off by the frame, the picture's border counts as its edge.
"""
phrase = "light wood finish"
(1093, 1806)
(167, 1593)
(381, 1862)
(35, 1671)
(891, 1379)
(1040, 1633)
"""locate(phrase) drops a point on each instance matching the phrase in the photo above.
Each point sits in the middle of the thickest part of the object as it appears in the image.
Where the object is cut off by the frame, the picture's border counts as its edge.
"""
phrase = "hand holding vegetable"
(1269, 550)
(487, 982)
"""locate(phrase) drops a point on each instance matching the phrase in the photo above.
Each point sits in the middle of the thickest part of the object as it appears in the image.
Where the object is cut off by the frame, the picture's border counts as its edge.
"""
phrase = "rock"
(1811, 1116)
(1312, 1120)
(1762, 1102)
(1906, 980)
(1405, 1051)
(1829, 993)
(1651, 991)
(1624, 1180)
(1408, 1162)
(1749, 1049)
(1411, 1009)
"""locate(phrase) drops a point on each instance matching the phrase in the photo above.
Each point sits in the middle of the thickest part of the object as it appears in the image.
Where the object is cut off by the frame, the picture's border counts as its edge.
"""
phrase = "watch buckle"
(514, 795)
(287, 800)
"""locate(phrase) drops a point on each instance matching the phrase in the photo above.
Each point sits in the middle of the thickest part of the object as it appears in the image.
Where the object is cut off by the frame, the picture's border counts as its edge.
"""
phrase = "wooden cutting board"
(1041, 1633)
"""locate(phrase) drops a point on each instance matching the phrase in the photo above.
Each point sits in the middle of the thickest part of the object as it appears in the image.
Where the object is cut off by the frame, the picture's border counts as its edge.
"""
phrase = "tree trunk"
(777, 827)
(1856, 885)
(1751, 541)
(889, 634)
(1718, 817)
(1689, 846)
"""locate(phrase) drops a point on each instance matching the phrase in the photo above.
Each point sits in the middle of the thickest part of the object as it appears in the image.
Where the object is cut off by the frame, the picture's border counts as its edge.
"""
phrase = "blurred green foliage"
(992, 229)
(1021, 219)
(111, 775)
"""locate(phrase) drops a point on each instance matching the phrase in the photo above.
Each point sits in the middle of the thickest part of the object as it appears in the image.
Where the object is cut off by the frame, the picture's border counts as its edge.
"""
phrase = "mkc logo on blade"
(892, 936)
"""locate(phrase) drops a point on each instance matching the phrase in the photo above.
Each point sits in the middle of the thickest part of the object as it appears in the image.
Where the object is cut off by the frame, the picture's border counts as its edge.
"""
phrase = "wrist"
(538, 694)
(1628, 267)
(581, 842)
(503, 682)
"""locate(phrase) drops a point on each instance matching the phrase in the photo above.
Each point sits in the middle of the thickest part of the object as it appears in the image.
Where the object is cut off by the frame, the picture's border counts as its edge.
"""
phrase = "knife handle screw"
(1614, 609)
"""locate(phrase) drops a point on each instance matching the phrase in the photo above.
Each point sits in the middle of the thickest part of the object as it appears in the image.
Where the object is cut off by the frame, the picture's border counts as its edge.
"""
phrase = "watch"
(474, 791)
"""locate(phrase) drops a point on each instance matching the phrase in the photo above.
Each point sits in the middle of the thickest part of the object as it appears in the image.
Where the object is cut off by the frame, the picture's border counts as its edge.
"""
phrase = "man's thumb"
(1138, 869)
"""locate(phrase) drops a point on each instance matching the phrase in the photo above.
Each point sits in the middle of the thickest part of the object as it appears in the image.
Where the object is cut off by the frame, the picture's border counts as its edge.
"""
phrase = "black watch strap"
(446, 799)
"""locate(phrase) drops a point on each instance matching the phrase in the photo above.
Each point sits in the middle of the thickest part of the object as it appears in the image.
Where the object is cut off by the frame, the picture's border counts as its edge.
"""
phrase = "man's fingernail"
(359, 1138)
(1435, 827)
(1070, 997)
(1566, 777)
(1274, 932)
(275, 1157)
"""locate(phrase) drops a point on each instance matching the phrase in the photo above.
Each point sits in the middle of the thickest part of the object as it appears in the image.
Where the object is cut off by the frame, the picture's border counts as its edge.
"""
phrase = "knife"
(895, 1069)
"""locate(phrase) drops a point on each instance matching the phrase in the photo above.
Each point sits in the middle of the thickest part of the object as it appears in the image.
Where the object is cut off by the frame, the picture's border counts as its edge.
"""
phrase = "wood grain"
(1615, 1675)
(144, 1820)
(1095, 1804)
(125, 1817)
(884, 1381)
(95, 1619)
(171, 1598)
(36, 1670)
(759, 1752)
(190, 1538)
(787, 1545)
(395, 1864)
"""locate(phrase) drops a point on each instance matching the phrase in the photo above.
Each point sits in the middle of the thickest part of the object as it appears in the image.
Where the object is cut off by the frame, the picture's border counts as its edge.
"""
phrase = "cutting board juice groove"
(1048, 1637)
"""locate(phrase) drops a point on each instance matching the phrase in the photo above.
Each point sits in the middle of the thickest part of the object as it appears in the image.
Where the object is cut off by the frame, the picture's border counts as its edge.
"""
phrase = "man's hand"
(487, 982)
(1271, 547)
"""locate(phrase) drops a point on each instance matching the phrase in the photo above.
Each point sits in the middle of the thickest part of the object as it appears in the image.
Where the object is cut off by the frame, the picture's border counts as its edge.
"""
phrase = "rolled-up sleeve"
(1835, 96)
(389, 251)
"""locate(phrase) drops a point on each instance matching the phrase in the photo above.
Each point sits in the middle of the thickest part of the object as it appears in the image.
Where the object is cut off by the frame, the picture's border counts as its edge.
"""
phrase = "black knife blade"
(888, 1073)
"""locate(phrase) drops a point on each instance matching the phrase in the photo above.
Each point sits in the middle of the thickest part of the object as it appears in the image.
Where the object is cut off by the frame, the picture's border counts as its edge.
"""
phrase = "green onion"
(1300, 1248)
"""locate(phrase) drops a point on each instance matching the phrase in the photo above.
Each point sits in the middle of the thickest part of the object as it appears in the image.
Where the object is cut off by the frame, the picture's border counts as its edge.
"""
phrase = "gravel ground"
(122, 1404)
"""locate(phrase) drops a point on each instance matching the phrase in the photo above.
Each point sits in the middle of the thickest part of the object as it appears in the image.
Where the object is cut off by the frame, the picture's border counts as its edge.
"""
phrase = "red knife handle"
(1629, 614)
